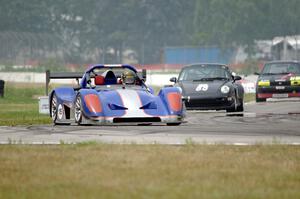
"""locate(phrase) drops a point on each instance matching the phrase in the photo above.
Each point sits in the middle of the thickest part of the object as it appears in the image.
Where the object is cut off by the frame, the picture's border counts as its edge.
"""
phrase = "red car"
(278, 79)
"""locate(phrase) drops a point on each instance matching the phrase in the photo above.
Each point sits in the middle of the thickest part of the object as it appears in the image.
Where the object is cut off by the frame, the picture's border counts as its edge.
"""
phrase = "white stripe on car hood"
(132, 101)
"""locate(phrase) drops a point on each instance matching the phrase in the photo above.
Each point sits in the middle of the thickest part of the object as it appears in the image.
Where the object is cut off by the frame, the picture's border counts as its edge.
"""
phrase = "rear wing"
(77, 75)
(61, 75)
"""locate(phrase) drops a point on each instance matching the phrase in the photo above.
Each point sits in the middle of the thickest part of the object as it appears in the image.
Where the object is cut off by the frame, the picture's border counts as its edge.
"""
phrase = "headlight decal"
(175, 101)
(93, 103)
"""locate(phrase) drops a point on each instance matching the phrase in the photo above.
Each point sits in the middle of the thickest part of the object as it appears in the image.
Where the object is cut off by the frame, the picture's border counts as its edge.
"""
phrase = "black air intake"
(136, 119)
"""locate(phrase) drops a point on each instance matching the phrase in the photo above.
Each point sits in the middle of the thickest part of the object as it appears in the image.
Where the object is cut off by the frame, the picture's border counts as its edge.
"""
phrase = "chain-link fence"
(21, 51)
(27, 48)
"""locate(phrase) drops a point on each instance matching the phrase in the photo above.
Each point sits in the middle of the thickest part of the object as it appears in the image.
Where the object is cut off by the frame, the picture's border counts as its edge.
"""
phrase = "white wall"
(152, 79)
(23, 77)
(29, 77)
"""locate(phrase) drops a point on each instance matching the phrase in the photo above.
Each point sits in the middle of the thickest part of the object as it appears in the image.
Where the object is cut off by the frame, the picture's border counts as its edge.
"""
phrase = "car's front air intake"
(136, 119)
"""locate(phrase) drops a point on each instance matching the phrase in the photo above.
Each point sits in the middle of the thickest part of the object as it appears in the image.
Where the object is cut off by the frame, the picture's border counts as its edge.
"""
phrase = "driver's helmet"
(128, 77)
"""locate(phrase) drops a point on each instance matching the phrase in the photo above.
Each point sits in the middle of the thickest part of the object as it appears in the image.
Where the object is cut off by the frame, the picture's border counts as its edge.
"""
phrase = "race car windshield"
(204, 73)
(281, 68)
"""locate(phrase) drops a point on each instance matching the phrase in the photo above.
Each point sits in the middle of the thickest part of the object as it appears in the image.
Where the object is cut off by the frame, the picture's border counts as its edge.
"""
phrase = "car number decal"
(202, 87)
(60, 112)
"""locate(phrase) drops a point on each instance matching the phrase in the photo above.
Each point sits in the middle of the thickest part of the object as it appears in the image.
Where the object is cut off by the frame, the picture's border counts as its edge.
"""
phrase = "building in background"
(189, 55)
(286, 48)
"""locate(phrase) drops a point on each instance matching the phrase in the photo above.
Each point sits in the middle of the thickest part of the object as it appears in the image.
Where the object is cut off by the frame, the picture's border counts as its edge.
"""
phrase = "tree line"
(83, 28)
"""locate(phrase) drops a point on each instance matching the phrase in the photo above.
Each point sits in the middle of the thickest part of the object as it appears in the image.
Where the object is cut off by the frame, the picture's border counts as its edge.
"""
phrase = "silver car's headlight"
(225, 89)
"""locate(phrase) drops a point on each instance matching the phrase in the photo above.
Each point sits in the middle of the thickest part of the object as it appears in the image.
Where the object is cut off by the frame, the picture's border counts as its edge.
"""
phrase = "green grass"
(149, 171)
(249, 97)
(92, 170)
(20, 105)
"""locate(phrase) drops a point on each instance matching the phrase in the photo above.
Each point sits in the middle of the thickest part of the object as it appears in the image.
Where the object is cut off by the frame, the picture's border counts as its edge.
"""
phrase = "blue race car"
(109, 94)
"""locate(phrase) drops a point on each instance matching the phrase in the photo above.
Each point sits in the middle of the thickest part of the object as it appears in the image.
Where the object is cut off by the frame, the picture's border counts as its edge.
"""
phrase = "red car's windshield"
(281, 68)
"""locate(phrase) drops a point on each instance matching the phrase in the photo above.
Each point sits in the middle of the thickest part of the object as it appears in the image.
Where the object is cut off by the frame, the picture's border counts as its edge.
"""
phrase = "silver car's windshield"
(204, 72)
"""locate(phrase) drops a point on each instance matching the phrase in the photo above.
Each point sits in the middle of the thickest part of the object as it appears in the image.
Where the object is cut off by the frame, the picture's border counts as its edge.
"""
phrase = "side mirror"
(236, 78)
(256, 73)
(173, 79)
(144, 74)
(88, 79)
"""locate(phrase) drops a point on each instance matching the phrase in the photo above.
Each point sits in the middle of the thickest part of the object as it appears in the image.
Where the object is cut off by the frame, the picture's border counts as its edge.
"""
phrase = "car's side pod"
(63, 94)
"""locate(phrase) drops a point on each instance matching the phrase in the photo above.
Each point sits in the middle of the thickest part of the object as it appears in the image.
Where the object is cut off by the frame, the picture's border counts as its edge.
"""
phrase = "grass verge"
(249, 97)
(20, 105)
(149, 171)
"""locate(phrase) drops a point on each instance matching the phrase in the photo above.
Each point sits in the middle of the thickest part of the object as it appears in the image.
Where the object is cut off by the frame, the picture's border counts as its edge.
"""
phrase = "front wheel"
(78, 110)
(240, 107)
(235, 106)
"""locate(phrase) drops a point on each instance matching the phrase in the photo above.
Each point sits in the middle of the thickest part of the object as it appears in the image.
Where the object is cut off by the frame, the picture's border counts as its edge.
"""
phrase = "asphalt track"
(276, 121)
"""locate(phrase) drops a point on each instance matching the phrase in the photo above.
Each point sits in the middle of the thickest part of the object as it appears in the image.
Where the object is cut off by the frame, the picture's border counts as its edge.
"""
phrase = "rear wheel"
(78, 110)
(54, 108)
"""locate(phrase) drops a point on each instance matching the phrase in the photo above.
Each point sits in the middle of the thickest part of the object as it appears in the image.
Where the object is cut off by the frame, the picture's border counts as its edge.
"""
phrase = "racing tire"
(53, 108)
(173, 124)
(240, 107)
(235, 107)
(78, 113)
